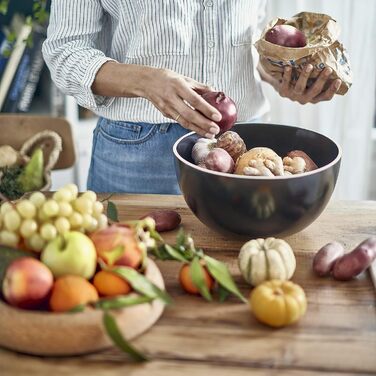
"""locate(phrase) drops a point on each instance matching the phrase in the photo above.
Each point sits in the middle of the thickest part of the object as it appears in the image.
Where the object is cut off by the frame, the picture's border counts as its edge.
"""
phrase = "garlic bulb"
(201, 149)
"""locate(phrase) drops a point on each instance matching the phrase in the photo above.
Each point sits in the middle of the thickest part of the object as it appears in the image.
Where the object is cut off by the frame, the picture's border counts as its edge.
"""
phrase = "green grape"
(73, 188)
(89, 223)
(62, 225)
(51, 208)
(5, 206)
(1, 221)
(75, 220)
(12, 220)
(83, 205)
(48, 231)
(102, 221)
(27, 209)
(42, 217)
(36, 242)
(90, 195)
(65, 209)
(9, 238)
(63, 194)
(97, 209)
(38, 199)
(28, 228)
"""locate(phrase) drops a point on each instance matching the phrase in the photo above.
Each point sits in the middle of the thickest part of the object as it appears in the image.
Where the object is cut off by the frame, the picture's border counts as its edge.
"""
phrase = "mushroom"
(295, 165)
(260, 161)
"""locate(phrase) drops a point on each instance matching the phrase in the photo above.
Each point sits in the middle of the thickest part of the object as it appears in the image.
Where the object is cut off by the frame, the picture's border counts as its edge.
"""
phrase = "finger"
(197, 102)
(329, 93)
(286, 79)
(198, 87)
(188, 125)
(301, 84)
(319, 84)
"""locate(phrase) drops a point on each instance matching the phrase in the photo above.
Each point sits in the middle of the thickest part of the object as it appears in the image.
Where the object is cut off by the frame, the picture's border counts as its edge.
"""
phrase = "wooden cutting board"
(336, 336)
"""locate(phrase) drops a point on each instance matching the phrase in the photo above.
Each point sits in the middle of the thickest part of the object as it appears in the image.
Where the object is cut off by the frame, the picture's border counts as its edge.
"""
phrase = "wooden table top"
(337, 335)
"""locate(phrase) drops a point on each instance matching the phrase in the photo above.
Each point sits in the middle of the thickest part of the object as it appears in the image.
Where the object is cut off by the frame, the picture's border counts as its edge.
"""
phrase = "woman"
(142, 65)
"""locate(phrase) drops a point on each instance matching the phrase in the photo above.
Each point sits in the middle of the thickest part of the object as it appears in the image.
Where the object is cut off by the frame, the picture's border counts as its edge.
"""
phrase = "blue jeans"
(134, 157)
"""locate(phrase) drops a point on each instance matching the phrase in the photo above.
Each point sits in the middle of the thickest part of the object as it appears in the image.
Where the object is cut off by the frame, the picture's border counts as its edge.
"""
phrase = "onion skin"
(287, 36)
(225, 106)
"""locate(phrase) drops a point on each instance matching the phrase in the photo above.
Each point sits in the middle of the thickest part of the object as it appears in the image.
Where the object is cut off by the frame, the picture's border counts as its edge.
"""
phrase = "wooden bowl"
(47, 333)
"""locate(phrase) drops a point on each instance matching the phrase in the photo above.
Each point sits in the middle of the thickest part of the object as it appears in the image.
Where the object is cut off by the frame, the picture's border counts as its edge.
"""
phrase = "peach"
(109, 284)
(118, 245)
(70, 291)
(185, 280)
(27, 283)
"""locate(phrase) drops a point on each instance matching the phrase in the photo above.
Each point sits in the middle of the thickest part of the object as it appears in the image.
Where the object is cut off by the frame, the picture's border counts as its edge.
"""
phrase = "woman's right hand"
(178, 98)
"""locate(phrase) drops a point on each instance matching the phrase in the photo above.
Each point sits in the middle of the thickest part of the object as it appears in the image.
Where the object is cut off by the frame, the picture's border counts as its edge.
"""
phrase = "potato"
(326, 257)
(355, 262)
(310, 164)
(165, 220)
(286, 35)
(219, 160)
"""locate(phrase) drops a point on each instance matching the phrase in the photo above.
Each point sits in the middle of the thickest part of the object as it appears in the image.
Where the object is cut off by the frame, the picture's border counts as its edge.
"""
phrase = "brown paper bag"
(322, 50)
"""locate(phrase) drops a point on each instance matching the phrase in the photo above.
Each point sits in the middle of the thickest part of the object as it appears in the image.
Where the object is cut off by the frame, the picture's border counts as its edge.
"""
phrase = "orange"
(186, 280)
(109, 284)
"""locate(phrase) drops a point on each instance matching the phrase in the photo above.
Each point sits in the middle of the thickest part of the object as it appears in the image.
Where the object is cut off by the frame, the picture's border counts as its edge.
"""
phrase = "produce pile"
(229, 154)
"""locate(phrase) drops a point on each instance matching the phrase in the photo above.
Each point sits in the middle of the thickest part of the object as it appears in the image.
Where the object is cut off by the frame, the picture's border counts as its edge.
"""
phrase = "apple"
(118, 245)
(70, 253)
(286, 35)
(27, 283)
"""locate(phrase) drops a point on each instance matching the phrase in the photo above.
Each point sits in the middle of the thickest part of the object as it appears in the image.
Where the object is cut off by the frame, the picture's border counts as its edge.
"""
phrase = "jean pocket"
(163, 28)
(123, 132)
(245, 14)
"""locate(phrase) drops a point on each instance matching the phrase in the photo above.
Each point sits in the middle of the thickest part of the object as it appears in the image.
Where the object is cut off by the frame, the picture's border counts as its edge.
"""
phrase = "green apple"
(70, 253)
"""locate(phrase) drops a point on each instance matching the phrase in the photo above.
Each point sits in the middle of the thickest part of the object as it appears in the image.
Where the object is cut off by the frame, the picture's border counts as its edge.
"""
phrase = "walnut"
(232, 143)
(259, 161)
(292, 166)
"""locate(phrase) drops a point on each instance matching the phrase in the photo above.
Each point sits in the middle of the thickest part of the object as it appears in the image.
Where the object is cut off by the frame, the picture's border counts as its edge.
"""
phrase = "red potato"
(357, 261)
(165, 220)
(287, 36)
(219, 160)
(326, 257)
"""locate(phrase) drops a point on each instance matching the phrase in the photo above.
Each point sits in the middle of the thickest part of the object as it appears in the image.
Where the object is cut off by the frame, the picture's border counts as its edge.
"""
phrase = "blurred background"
(349, 119)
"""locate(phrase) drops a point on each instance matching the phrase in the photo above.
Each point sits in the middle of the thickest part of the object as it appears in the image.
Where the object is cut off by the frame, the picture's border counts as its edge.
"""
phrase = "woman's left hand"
(299, 92)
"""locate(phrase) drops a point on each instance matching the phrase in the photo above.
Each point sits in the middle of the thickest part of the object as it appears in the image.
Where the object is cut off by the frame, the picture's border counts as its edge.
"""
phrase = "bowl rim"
(244, 177)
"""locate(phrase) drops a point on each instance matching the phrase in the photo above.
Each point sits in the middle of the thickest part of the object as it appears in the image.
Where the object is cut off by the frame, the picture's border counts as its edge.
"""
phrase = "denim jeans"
(134, 157)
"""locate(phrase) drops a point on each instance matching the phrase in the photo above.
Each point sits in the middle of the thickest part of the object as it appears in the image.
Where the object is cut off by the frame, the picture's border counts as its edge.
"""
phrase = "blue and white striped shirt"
(210, 41)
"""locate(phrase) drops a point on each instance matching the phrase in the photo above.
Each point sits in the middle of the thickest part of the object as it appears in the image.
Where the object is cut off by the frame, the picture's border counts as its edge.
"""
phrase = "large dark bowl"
(260, 206)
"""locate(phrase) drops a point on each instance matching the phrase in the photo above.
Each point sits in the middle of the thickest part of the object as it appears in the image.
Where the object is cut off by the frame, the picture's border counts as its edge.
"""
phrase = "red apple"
(287, 36)
(118, 245)
(27, 283)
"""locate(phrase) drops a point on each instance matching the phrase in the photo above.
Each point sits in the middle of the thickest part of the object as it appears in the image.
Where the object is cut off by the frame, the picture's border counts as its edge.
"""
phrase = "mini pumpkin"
(260, 260)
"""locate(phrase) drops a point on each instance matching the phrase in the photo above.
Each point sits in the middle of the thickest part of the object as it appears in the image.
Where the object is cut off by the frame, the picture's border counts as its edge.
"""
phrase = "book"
(14, 61)
(5, 47)
(22, 89)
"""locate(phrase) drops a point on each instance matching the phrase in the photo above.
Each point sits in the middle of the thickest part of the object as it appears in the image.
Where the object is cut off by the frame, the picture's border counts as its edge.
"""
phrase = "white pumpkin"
(265, 259)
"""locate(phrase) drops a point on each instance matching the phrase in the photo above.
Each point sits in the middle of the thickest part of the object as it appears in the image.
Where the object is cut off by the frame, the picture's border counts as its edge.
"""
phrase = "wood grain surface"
(337, 336)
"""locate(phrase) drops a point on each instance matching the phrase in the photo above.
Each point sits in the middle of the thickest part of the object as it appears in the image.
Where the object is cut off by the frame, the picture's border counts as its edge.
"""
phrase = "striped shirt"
(210, 41)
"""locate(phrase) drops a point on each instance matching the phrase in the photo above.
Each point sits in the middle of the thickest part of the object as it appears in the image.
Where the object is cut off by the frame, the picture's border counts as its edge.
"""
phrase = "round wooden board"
(51, 334)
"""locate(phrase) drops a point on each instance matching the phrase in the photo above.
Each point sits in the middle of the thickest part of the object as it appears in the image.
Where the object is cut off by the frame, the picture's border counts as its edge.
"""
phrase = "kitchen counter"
(337, 335)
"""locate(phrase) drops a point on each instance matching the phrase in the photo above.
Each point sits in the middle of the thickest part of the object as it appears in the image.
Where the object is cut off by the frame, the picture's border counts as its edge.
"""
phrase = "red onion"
(286, 35)
(225, 106)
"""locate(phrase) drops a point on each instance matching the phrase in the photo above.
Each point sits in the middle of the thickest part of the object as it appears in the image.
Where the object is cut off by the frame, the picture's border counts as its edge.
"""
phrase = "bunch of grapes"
(39, 219)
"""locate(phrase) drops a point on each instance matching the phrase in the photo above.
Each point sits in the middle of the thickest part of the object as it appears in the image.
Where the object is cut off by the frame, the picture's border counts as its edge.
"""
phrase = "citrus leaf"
(141, 284)
(122, 301)
(222, 293)
(112, 212)
(77, 308)
(198, 278)
(220, 273)
(117, 338)
(176, 255)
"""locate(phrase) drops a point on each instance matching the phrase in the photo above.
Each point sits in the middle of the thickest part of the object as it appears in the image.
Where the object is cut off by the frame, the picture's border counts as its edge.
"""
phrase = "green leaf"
(220, 273)
(222, 293)
(77, 308)
(112, 212)
(181, 238)
(122, 301)
(141, 284)
(114, 254)
(198, 278)
(175, 255)
(114, 333)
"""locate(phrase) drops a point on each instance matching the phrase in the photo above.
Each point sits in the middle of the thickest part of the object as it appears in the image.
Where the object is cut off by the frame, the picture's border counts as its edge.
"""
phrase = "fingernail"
(209, 135)
(216, 117)
(309, 68)
(328, 72)
(337, 84)
(214, 130)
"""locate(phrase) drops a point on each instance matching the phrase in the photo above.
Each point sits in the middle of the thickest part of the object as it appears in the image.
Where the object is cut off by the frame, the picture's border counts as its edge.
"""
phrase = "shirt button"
(211, 44)
(209, 3)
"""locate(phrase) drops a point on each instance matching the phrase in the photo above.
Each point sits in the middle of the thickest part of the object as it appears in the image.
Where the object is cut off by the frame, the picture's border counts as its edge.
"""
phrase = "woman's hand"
(299, 92)
(178, 98)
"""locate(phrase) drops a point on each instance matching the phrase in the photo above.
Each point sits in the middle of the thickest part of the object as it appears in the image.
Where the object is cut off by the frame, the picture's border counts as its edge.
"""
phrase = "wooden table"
(336, 336)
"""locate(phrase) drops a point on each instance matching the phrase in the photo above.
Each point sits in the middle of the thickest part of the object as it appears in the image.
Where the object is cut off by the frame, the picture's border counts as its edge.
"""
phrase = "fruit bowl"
(258, 206)
(46, 333)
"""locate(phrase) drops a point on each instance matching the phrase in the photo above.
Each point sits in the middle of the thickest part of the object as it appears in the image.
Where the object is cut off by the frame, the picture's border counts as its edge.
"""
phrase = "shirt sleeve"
(71, 51)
